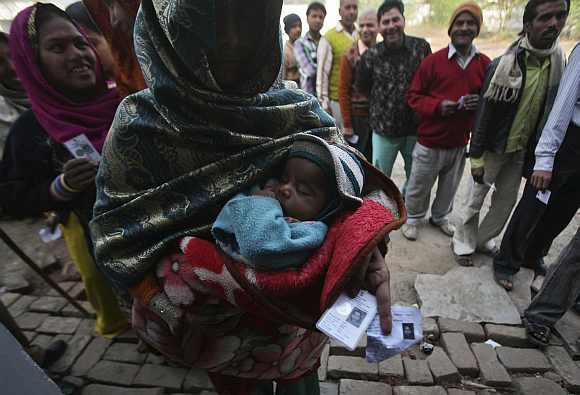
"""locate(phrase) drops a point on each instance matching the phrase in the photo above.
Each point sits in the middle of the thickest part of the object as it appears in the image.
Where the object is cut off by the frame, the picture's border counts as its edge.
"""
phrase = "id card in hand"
(407, 331)
(348, 319)
(81, 147)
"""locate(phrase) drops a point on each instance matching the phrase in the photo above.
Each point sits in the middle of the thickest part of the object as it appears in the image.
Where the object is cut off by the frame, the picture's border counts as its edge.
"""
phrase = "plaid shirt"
(305, 52)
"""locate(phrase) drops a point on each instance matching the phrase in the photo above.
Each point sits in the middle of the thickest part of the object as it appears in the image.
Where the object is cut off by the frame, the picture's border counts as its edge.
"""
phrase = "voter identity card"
(81, 147)
(407, 331)
(348, 319)
(544, 196)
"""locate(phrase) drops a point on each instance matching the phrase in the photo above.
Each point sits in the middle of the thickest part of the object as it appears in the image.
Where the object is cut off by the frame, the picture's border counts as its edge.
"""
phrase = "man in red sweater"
(444, 93)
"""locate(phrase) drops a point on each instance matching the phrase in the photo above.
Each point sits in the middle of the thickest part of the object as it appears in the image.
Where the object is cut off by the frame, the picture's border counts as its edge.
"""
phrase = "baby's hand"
(269, 190)
(266, 193)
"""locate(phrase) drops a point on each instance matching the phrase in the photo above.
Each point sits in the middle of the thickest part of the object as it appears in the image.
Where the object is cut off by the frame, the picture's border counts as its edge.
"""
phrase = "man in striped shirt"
(305, 48)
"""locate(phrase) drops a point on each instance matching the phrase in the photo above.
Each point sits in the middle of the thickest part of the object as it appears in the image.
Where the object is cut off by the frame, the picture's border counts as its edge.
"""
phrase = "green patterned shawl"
(179, 150)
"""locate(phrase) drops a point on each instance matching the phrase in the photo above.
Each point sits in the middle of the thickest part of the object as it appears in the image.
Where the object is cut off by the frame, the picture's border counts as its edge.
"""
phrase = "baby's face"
(304, 190)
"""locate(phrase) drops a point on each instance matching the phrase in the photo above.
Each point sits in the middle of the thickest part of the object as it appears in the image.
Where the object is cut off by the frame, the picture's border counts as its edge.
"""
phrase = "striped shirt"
(566, 110)
(305, 52)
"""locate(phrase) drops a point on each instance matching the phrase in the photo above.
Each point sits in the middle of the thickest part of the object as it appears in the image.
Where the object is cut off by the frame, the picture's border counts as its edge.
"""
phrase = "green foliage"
(441, 10)
(572, 29)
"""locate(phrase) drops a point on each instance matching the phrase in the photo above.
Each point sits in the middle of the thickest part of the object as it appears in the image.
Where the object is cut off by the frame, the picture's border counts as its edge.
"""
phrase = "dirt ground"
(431, 253)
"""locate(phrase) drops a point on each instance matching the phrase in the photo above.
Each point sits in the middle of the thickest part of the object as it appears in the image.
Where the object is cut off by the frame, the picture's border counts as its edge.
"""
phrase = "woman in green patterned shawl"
(215, 120)
(179, 150)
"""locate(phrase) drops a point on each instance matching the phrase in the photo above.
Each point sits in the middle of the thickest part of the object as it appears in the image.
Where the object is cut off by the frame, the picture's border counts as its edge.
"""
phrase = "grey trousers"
(430, 164)
(504, 171)
(561, 288)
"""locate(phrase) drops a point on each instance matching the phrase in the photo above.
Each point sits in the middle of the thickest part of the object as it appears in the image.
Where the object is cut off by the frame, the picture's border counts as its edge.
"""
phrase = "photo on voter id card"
(408, 331)
(356, 317)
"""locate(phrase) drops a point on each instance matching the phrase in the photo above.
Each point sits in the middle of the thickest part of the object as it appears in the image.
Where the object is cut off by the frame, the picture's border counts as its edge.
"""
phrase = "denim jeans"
(386, 149)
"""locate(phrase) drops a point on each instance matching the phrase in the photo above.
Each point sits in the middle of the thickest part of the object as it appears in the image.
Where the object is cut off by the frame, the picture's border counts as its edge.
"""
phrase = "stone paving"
(460, 364)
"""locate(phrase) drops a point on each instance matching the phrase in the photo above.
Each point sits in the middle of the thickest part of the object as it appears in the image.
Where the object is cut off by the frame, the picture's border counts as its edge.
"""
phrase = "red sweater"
(439, 78)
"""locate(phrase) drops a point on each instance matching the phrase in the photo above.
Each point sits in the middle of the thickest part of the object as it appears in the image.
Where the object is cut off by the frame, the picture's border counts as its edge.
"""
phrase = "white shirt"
(566, 110)
(462, 61)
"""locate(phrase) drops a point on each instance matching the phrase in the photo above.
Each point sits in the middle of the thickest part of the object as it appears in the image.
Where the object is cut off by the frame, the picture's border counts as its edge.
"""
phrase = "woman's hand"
(374, 276)
(80, 173)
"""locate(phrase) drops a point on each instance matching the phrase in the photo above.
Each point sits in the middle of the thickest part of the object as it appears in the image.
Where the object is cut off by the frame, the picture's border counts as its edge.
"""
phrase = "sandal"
(463, 260)
(506, 281)
(538, 334)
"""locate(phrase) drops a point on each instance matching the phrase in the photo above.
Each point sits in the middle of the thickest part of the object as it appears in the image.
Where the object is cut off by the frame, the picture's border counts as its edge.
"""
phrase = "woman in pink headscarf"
(70, 100)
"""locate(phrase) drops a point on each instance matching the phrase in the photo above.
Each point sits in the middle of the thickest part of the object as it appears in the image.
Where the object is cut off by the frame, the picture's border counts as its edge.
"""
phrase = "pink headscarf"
(61, 117)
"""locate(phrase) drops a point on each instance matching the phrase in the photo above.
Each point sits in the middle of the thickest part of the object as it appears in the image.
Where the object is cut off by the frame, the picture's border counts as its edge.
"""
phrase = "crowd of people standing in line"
(64, 74)
(511, 118)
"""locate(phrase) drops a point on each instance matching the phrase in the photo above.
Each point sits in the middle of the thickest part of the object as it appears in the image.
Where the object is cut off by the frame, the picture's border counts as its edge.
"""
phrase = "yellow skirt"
(110, 320)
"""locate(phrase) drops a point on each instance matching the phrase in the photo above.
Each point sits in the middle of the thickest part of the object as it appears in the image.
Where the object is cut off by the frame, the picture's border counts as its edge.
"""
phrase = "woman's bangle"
(66, 186)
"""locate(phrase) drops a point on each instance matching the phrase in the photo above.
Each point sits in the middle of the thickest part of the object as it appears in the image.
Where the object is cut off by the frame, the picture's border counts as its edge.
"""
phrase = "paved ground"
(460, 364)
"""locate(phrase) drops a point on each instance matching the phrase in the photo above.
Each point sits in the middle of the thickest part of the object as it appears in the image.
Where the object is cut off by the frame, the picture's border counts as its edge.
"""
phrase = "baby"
(281, 225)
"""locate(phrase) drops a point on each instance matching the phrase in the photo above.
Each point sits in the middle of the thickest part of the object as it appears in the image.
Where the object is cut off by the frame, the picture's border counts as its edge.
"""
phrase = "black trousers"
(534, 225)
(362, 128)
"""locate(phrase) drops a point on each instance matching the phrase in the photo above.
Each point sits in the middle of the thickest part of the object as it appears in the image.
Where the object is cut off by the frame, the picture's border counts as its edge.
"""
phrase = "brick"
(473, 331)
(460, 353)
(417, 371)
(196, 380)
(21, 305)
(75, 347)
(492, 372)
(59, 325)
(29, 335)
(78, 292)
(65, 285)
(565, 367)
(392, 370)
(442, 368)
(537, 386)
(351, 367)
(99, 389)
(48, 304)
(125, 352)
(411, 390)
(129, 336)
(42, 341)
(430, 328)
(155, 359)
(337, 348)
(522, 360)
(76, 382)
(9, 298)
(161, 376)
(87, 327)
(555, 377)
(70, 311)
(348, 387)
(30, 321)
(90, 356)
(322, 370)
(511, 336)
(113, 373)
(328, 388)
(455, 391)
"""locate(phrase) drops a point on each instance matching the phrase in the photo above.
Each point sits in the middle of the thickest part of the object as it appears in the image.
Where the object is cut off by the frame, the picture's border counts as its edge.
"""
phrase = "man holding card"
(444, 93)
(514, 112)
(516, 99)
(552, 194)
